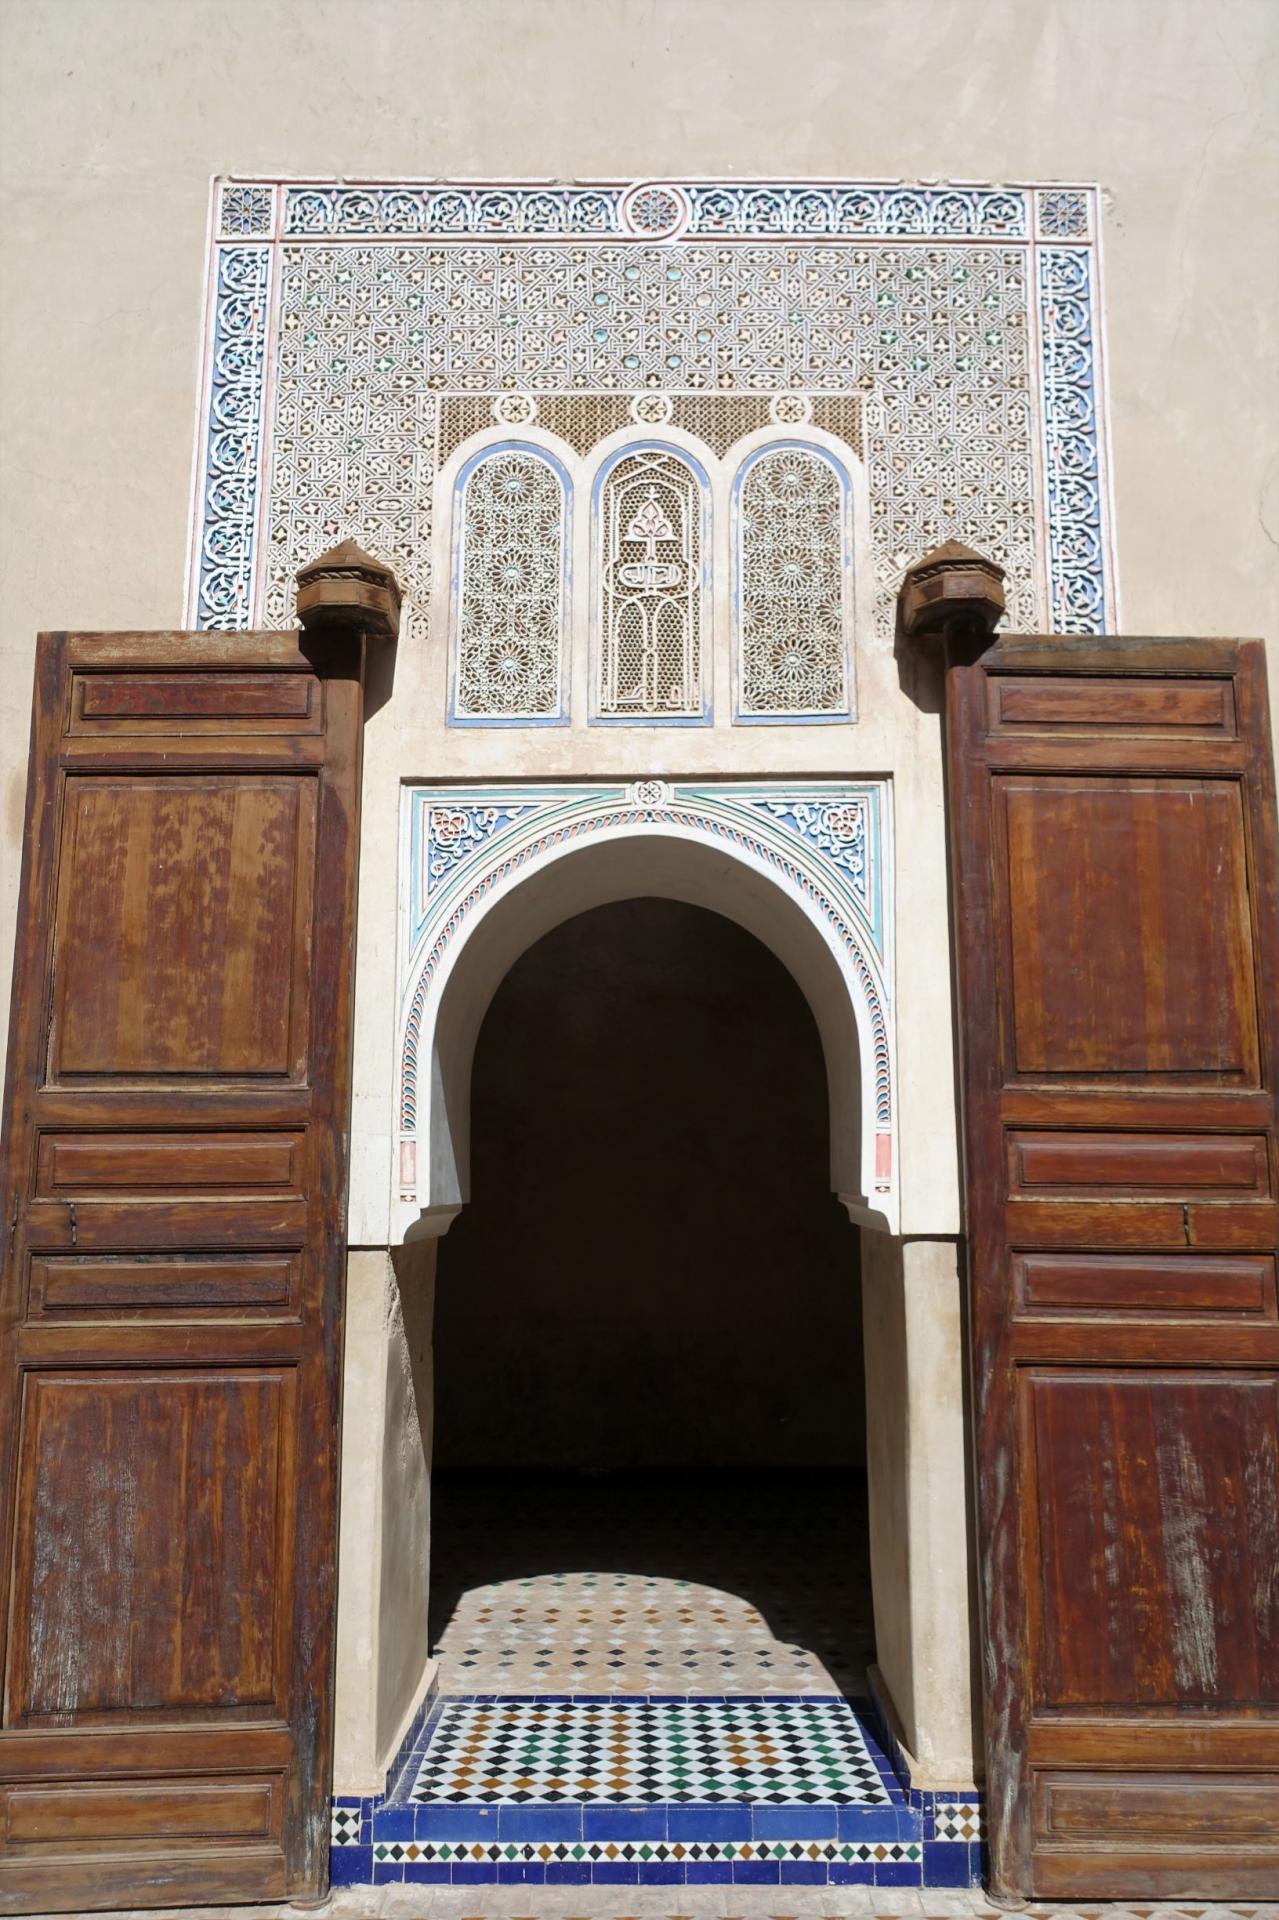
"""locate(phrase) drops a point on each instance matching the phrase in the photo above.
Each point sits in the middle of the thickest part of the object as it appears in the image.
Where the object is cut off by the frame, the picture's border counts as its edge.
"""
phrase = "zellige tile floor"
(651, 1584)
(538, 1752)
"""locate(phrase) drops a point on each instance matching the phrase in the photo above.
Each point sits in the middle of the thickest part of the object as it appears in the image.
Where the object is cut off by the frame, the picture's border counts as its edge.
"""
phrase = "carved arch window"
(651, 585)
(510, 586)
(792, 583)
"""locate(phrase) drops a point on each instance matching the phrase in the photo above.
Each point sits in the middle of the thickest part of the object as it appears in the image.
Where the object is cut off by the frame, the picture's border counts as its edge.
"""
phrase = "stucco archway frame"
(804, 866)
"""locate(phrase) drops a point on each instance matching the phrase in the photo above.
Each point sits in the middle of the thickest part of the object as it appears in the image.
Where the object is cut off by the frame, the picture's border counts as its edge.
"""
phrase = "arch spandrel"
(804, 866)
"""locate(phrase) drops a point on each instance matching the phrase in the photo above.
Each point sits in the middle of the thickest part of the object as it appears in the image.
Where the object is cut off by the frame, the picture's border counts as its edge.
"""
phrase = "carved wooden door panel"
(1114, 856)
(174, 1198)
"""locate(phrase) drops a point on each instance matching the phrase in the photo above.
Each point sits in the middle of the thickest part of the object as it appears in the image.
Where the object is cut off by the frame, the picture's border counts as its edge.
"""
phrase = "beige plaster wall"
(113, 118)
(383, 1668)
(916, 1464)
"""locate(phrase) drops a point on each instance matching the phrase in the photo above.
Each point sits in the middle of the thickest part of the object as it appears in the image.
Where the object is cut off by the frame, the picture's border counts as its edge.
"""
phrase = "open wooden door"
(1113, 836)
(174, 1187)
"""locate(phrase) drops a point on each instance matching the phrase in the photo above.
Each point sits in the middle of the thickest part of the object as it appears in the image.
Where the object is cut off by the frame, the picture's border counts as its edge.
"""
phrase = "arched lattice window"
(652, 513)
(511, 521)
(791, 577)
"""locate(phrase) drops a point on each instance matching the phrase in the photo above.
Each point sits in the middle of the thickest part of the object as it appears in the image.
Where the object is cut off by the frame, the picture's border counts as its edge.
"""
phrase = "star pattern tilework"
(521, 1751)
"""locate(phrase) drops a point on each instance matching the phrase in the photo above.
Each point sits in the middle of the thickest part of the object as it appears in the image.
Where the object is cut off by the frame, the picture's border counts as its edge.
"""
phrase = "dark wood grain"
(149, 1564)
(1130, 930)
(1158, 1508)
(182, 878)
(1209, 1284)
(1111, 702)
(1114, 860)
(170, 1314)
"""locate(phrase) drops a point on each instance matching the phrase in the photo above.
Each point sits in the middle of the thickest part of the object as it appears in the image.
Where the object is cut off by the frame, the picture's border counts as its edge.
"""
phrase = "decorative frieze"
(346, 318)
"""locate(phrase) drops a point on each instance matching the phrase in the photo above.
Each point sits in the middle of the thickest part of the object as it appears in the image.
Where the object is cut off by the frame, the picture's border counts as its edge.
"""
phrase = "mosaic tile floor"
(644, 1681)
(608, 1790)
(627, 1583)
(605, 1752)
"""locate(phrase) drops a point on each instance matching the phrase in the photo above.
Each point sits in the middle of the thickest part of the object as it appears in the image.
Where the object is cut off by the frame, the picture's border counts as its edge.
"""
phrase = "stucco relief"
(341, 319)
(806, 867)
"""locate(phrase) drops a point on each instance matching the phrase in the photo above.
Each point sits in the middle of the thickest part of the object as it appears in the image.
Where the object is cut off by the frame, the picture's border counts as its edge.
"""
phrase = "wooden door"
(174, 1200)
(1112, 814)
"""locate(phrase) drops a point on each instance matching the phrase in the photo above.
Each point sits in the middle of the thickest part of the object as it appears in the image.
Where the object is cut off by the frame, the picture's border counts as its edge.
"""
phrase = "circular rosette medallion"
(654, 210)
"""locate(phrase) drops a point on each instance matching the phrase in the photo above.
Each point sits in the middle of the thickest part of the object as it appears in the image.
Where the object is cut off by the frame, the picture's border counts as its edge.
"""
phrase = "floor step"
(661, 1789)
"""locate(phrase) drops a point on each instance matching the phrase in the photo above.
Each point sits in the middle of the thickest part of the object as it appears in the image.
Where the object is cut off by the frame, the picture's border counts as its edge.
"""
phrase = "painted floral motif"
(837, 829)
(453, 834)
(654, 212)
(246, 210)
(1063, 214)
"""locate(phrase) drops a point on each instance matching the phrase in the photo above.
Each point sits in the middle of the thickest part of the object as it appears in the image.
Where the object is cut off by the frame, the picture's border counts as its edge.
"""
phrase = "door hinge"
(71, 1217)
(1185, 1223)
(13, 1223)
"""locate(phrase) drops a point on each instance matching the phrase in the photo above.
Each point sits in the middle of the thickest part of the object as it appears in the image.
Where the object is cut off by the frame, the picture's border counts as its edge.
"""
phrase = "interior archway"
(649, 1456)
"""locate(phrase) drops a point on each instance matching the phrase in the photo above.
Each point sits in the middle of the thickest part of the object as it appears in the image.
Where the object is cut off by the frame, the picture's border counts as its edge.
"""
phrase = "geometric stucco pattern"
(966, 321)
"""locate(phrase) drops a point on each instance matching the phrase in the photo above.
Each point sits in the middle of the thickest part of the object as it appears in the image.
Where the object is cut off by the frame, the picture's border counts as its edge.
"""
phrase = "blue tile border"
(920, 1838)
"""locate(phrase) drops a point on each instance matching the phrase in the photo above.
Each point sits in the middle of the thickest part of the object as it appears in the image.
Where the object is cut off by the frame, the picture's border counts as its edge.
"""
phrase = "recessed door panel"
(164, 883)
(216, 1161)
(151, 1567)
(1157, 1508)
(1131, 944)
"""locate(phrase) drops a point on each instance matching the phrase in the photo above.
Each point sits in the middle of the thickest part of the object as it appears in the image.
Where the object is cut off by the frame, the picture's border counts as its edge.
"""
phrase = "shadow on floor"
(745, 1582)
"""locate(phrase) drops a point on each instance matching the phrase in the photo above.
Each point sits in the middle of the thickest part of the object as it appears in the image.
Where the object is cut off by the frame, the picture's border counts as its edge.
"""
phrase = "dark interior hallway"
(649, 1445)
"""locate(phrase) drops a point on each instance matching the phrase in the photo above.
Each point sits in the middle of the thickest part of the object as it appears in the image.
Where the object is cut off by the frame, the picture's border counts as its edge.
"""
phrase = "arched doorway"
(803, 878)
(649, 1450)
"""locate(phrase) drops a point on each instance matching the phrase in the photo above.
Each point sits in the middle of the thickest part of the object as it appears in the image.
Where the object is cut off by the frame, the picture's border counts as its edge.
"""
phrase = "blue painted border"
(1076, 563)
(711, 209)
(230, 469)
